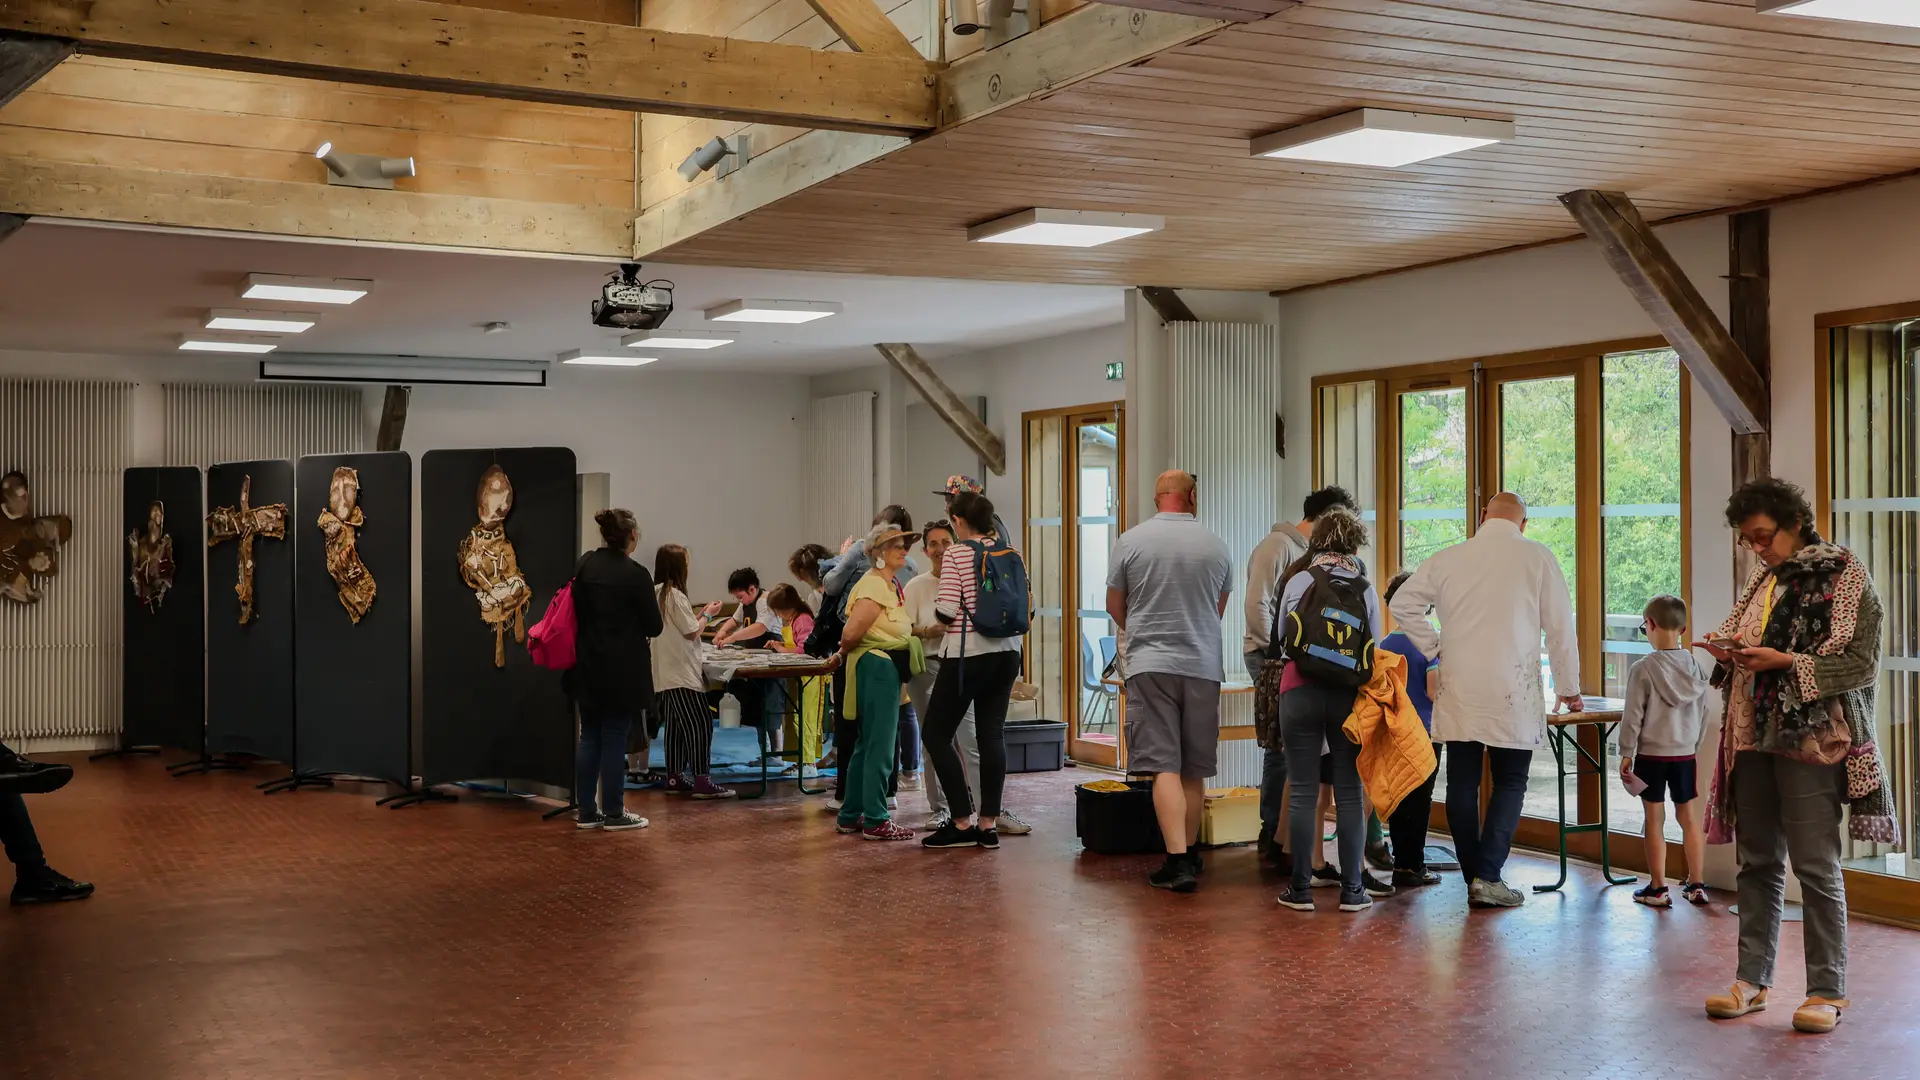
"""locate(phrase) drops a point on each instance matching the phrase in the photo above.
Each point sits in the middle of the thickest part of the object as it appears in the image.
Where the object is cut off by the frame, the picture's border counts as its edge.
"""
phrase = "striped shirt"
(959, 595)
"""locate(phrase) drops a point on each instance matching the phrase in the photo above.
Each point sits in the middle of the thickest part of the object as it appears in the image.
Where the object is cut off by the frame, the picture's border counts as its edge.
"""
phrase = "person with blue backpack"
(984, 603)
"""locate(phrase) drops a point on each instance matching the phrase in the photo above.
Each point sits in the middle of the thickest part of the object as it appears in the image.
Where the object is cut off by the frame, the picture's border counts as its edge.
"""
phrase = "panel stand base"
(125, 751)
(410, 795)
(206, 763)
(294, 782)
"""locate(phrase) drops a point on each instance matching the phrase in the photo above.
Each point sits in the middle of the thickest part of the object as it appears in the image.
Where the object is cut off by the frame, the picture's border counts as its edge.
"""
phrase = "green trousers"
(878, 699)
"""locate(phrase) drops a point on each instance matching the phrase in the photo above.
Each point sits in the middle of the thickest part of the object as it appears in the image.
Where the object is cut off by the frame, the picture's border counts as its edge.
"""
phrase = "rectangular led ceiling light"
(210, 344)
(301, 290)
(677, 339)
(1887, 12)
(1064, 228)
(260, 322)
(1382, 138)
(772, 311)
(602, 358)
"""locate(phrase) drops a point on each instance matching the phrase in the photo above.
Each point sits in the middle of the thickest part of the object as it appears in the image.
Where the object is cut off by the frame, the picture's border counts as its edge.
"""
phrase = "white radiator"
(840, 467)
(60, 658)
(1240, 761)
(206, 424)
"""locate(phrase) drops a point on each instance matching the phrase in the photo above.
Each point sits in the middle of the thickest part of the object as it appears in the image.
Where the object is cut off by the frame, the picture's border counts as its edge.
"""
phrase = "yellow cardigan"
(1396, 753)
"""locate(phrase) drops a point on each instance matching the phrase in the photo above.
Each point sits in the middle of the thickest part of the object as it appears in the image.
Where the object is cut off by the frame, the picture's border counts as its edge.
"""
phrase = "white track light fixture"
(1887, 12)
(362, 170)
(724, 156)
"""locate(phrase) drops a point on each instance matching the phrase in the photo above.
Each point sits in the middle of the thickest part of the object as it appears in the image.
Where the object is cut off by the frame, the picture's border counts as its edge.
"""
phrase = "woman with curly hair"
(1799, 660)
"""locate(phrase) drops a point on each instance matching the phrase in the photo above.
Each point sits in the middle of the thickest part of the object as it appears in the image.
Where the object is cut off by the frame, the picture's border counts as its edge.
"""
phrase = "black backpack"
(1328, 633)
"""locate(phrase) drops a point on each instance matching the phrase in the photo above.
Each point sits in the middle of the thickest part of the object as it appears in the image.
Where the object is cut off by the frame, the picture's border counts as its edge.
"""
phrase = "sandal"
(1739, 1000)
(1818, 1015)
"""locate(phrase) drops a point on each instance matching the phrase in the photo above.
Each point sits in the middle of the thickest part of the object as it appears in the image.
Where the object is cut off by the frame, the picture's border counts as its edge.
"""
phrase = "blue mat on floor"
(736, 759)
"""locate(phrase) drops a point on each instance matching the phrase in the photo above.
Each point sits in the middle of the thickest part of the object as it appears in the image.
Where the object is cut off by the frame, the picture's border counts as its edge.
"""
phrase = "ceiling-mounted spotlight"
(362, 170)
(725, 154)
(1383, 138)
(968, 18)
(497, 328)
(1889, 12)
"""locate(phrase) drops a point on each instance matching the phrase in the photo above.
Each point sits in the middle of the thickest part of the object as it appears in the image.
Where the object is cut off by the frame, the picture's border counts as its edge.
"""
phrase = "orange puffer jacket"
(1396, 755)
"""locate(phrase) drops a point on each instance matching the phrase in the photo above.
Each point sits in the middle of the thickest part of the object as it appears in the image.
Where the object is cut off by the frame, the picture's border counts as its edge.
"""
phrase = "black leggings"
(1409, 821)
(984, 683)
(689, 731)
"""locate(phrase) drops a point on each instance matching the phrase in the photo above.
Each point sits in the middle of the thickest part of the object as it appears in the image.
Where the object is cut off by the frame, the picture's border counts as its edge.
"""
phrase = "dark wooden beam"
(1167, 304)
(964, 422)
(10, 224)
(1718, 366)
(393, 418)
(24, 58)
(1749, 296)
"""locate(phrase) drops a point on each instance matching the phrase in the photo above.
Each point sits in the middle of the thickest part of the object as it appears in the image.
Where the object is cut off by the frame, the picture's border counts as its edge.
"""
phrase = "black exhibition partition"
(480, 721)
(164, 633)
(250, 665)
(353, 681)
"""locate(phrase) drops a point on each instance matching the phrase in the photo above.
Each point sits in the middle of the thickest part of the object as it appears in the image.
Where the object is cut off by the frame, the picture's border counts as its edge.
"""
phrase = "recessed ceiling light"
(210, 344)
(1065, 228)
(603, 358)
(301, 290)
(1889, 12)
(677, 339)
(1383, 138)
(260, 322)
(772, 311)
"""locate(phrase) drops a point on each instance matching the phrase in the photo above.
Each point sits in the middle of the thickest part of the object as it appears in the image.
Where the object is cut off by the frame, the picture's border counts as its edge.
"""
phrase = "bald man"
(1167, 587)
(1496, 596)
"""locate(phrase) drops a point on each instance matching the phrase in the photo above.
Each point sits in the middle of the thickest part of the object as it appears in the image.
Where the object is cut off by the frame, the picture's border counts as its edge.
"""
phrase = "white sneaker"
(893, 803)
(809, 772)
(1009, 824)
(909, 781)
(833, 805)
(1494, 894)
(623, 822)
(936, 822)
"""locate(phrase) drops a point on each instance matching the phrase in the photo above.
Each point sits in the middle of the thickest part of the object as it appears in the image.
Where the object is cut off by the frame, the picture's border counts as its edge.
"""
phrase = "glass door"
(1097, 470)
(1435, 495)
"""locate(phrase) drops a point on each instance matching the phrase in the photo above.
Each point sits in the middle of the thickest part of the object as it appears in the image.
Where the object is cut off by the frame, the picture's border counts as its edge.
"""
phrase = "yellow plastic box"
(1231, 816)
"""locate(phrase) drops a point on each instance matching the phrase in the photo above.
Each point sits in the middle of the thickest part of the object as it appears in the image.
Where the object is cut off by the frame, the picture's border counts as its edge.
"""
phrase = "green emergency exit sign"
(1116, 371)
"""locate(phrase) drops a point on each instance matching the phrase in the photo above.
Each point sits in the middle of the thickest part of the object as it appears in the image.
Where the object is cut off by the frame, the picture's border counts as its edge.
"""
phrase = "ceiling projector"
(627, 303)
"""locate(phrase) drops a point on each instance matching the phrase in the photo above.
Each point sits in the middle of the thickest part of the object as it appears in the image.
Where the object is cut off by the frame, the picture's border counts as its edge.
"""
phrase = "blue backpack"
(1002, 609)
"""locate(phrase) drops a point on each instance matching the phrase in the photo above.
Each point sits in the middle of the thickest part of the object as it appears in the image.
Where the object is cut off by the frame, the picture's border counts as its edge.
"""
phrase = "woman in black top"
(612, 676)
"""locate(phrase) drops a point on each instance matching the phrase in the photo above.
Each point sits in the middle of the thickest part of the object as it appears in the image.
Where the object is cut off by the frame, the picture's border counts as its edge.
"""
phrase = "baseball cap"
(961, 482)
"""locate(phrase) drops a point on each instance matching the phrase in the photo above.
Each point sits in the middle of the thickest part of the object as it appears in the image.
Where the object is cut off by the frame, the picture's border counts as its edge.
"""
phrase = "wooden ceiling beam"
(865, 28)
(1167, 304)
(1229, 10)
(24, 59)
(1077, 46)
(947, 404)
(10, 224)
(417, 45)
(1719, 366)
(30, 186)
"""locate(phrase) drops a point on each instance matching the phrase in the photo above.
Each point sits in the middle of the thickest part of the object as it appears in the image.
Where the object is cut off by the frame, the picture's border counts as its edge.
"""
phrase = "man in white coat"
(1495, 596)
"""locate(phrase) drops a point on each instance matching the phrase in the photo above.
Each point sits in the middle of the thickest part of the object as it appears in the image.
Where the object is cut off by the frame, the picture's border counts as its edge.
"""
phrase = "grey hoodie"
(1666, 706)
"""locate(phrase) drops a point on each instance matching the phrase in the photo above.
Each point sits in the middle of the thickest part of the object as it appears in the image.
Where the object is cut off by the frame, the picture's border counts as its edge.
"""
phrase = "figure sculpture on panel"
(29, 545)
(489, 566)
(244, 523)
(150, 553)
(341, 522)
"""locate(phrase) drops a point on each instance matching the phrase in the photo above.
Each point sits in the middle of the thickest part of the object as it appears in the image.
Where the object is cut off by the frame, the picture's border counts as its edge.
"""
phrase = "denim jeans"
(16, 832)
(1483, 847)
(601, 764)
(1309, 714)
(909, 742)
(1787, 809)
(1409, 822)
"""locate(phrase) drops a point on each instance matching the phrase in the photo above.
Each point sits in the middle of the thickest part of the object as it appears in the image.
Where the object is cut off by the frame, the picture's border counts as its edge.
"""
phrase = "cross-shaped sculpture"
(243, 523)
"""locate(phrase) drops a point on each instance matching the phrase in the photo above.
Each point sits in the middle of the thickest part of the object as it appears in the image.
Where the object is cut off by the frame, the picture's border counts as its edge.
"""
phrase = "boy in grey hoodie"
(1659, 736)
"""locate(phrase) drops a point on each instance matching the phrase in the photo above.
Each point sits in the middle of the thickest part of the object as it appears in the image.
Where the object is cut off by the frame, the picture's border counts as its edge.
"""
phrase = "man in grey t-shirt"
(1167, 589)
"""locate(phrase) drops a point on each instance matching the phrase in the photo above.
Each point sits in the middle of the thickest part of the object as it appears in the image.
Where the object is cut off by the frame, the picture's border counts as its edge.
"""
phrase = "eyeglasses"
(1759, 541)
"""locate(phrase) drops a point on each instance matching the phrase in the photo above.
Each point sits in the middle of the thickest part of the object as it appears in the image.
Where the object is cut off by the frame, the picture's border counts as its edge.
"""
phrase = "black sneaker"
(989, 838)
(1193, 862)
(1175, 874)
(20, 776)
(1415, 879)
(1297, 899)
(952, 836)
(1379, 857)
(1326, 877)
(1355, 901)
(1374, 887)
(50, 888)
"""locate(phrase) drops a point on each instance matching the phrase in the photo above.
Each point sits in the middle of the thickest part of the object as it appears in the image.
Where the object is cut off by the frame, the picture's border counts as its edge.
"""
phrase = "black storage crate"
(1118, 822)
(1036, 746)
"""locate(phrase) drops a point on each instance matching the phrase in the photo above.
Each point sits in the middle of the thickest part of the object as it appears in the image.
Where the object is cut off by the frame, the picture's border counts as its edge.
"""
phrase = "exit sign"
(1116, 371)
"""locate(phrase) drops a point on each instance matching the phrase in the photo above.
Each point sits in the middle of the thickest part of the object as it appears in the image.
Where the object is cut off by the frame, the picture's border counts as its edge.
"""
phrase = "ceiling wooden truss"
(1685, 105)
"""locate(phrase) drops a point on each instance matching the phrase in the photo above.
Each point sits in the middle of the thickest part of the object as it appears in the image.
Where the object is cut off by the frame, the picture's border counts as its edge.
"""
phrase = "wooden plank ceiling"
(1686, 105)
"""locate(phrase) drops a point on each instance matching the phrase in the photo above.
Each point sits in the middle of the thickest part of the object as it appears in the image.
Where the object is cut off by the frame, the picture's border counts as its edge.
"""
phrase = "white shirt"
(1269, 560)
(676, 660)
(1495, 594)
(921, 593)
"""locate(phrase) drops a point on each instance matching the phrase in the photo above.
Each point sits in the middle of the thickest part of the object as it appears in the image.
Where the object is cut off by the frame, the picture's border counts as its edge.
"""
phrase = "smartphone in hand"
(1720, 649)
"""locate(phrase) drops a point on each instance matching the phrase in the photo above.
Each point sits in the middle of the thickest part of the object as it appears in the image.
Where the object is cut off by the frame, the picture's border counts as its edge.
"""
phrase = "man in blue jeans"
(34, 881)
(1497, 595)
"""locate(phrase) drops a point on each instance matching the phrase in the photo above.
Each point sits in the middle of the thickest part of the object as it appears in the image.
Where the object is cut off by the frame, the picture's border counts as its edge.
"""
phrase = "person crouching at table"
(880, 653)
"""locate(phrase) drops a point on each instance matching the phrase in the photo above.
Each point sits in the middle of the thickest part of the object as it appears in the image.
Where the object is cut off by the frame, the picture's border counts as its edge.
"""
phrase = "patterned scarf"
(1803, 621)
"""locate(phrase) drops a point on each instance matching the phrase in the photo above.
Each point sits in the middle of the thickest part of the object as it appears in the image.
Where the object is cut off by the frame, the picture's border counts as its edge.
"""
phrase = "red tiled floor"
(314, 935)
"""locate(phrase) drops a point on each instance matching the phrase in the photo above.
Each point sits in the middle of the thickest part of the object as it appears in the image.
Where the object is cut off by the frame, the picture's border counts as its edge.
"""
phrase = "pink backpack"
(551, 640)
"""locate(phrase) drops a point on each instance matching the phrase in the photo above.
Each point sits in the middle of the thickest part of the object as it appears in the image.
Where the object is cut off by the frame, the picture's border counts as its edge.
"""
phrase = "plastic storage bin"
(1036, 746)
(1230, 816)
(1117, 822)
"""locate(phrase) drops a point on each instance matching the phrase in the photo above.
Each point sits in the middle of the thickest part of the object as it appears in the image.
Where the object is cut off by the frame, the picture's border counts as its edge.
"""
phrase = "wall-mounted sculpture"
(244, 523)
(150, 550)
(489, 566)
(341, 522)
(29, 546)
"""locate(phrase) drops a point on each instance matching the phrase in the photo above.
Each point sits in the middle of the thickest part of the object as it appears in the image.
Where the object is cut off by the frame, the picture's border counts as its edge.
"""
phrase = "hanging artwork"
(244, 523)
(28, 545)
(150, 551)
(489, 566)
(341, 522)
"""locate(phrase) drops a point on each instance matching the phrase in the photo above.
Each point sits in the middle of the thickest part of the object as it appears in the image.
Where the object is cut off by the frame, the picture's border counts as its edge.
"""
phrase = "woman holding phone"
(1798, 662)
